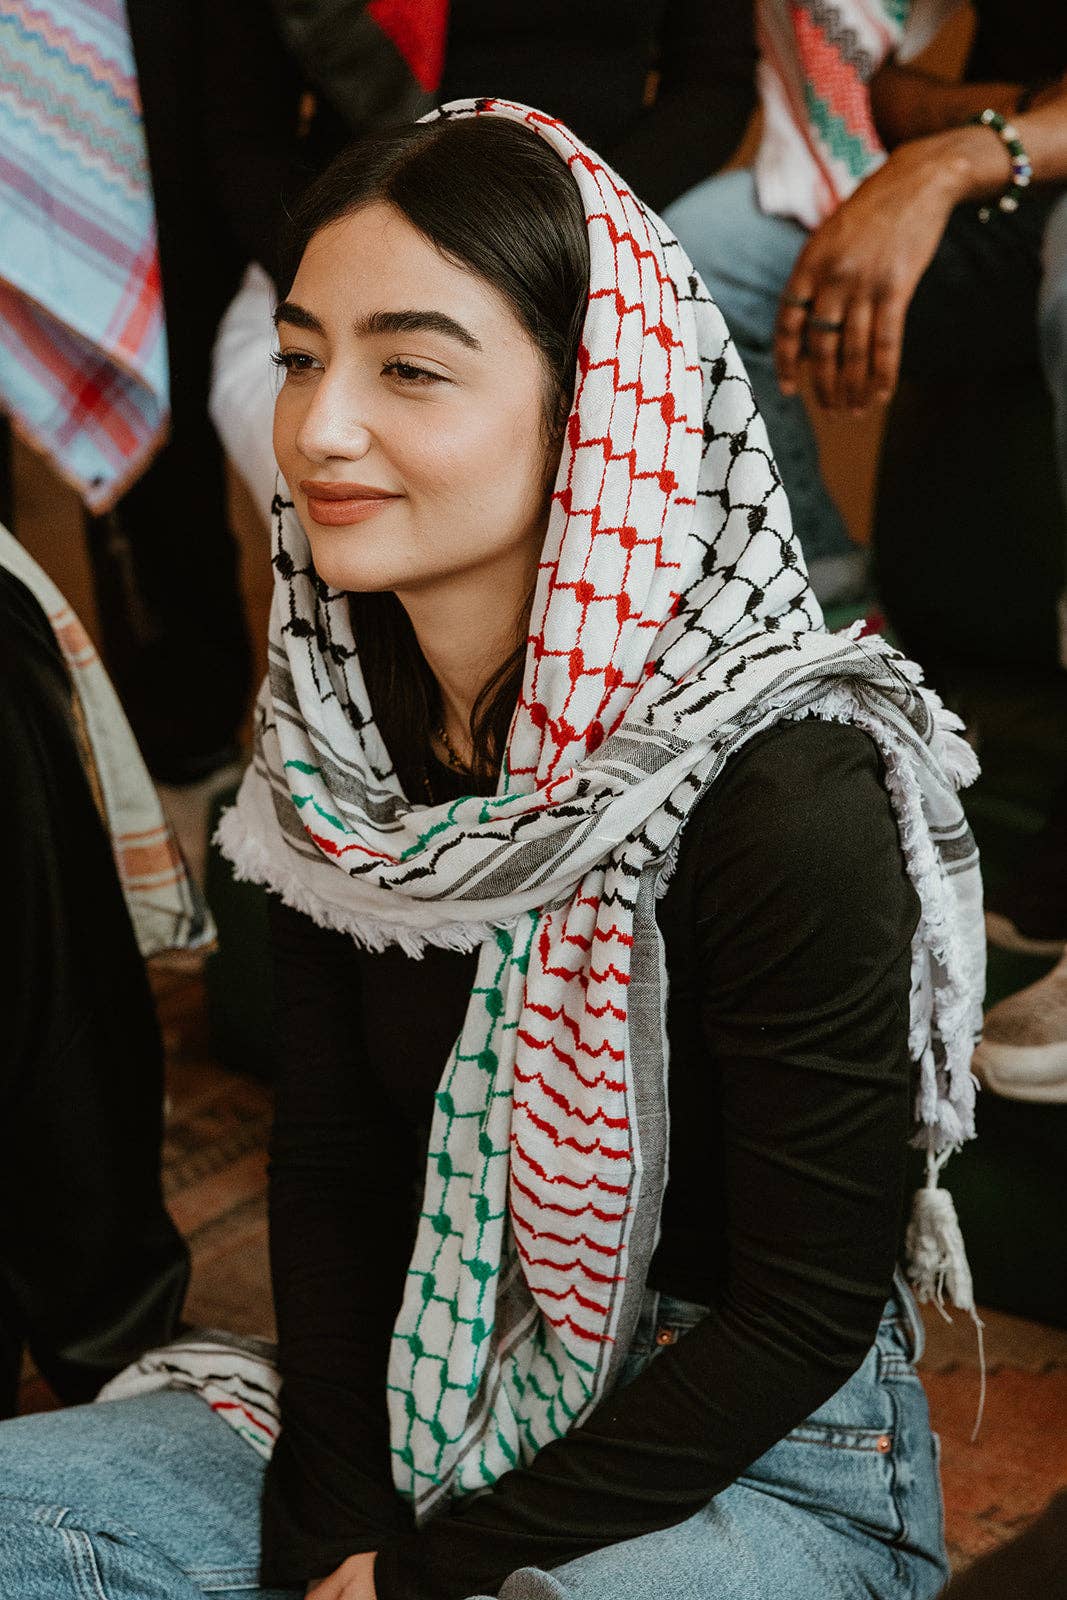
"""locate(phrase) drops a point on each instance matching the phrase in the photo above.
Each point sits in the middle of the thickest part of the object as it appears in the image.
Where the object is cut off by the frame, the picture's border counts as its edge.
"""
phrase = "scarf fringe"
(254, 862)
(947, 1015)
(945, 1123)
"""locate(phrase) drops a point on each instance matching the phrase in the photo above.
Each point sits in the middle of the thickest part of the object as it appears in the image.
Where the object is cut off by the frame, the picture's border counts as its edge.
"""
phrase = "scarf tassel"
(937, 1261)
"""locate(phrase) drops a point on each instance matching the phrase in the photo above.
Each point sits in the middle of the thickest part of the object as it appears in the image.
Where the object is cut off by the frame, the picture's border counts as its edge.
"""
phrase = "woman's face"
(410, 422)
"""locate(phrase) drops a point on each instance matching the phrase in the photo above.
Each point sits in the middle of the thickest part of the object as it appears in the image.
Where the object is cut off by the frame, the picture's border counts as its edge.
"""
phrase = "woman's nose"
(335, 424)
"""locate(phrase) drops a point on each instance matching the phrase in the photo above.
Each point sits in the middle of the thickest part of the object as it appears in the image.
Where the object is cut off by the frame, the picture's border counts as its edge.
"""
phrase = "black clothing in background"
(352, 62)
(164, 560)
(972, 329)
(588, 64)
(92, 1270)
(1017, 43)
(787, 927)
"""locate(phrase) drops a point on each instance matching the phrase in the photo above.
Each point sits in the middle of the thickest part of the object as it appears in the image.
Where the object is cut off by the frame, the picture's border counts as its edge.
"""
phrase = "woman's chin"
(343, 566)
(353, 578)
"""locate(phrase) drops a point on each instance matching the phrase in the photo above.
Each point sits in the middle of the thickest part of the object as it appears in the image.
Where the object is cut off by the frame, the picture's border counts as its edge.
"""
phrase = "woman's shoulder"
(805, 769)
(801, 810)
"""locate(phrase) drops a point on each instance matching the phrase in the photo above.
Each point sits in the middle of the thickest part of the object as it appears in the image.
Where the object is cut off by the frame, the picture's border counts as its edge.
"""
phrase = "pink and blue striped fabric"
(83, 353)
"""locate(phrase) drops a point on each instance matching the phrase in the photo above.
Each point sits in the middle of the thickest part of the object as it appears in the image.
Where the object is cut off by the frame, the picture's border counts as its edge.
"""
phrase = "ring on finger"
(826, 324)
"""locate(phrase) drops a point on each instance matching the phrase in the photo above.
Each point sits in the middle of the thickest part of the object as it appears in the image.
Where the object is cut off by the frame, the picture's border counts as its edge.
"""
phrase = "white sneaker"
(1023, 1053)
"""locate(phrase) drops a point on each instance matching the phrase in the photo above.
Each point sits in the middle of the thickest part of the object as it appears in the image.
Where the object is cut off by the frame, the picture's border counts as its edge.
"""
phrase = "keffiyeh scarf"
(672, 623)
(817, 58)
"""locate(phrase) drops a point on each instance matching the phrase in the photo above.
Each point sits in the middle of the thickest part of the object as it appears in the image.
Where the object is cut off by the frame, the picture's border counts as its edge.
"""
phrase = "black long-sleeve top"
(787, 929)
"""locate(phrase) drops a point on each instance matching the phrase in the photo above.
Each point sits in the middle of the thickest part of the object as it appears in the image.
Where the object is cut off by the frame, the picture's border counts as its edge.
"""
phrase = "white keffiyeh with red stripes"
(672, 623)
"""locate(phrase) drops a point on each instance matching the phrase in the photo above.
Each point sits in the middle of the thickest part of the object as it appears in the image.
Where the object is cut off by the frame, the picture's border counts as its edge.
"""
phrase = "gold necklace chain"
(453, 761)
(450, 750)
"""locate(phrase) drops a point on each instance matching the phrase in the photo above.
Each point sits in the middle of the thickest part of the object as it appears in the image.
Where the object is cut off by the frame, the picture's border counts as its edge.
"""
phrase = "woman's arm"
(803, 918)
(341, 1191)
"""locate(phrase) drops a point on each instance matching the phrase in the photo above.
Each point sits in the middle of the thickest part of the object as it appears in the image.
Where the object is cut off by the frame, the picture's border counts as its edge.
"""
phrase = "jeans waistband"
(663, 1317)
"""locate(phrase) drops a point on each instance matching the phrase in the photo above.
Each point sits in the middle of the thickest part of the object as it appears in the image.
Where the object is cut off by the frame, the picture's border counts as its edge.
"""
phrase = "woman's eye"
(406, 373)
(294, 362)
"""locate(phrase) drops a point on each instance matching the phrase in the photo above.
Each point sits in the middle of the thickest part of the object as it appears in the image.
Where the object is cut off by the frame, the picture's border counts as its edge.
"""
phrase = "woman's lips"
(338, 505)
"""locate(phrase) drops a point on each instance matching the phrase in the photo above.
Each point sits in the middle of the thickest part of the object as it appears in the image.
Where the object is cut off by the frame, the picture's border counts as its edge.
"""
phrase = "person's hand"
(848, 295)
(353, 1580)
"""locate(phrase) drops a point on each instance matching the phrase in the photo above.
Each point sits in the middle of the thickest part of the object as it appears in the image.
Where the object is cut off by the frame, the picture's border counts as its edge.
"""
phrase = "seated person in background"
(664, 91)
(543, 649)
(946, 256)
(92, 1270)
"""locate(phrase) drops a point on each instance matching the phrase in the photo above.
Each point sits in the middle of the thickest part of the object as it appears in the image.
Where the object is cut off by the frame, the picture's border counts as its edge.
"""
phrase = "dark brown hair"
(496, 198)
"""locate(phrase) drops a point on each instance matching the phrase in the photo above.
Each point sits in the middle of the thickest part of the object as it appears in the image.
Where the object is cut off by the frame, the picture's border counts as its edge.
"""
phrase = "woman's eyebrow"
(288, 311)
(417, 322)
(379, 322)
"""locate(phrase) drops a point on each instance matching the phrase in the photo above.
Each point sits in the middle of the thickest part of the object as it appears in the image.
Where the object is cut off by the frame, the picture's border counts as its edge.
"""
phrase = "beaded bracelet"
(1021, 169)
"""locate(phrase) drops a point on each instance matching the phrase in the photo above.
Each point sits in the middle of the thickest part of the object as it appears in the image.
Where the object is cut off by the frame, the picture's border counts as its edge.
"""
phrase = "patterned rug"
(995, 1485)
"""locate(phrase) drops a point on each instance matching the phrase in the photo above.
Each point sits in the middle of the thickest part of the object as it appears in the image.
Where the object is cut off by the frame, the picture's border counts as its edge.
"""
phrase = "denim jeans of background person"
(155, 1498)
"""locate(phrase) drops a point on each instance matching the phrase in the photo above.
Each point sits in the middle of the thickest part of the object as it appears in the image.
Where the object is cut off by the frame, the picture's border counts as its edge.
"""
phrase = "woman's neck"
(466, 631)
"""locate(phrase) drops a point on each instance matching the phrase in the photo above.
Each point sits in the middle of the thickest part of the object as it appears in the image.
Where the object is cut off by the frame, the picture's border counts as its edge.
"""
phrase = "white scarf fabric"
(672, 622)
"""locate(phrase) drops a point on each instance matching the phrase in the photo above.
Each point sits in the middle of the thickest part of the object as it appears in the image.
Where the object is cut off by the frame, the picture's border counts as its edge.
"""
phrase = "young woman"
(558, 781)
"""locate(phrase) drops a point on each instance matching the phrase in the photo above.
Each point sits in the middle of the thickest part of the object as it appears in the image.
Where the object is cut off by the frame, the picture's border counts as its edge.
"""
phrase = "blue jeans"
(156, 1499)
(974, 311)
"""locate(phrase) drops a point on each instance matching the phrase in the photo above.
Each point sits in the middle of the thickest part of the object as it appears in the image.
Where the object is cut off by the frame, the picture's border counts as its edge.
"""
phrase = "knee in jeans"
(530, 1583)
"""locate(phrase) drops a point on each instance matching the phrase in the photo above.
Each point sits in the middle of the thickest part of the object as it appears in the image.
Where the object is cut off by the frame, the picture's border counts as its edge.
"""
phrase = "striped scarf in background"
(83, 354)
(166, 907)
(672, 622)
(817, 58)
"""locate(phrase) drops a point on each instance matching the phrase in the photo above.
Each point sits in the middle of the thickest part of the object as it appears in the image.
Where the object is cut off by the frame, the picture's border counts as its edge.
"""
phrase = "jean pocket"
(843, 1458)
(835, 1470)
(663, 1321)
(674, 1318)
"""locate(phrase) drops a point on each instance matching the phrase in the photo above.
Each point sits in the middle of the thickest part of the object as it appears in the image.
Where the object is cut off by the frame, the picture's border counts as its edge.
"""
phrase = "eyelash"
(406, 373)
(403, 371)
(288, 359)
